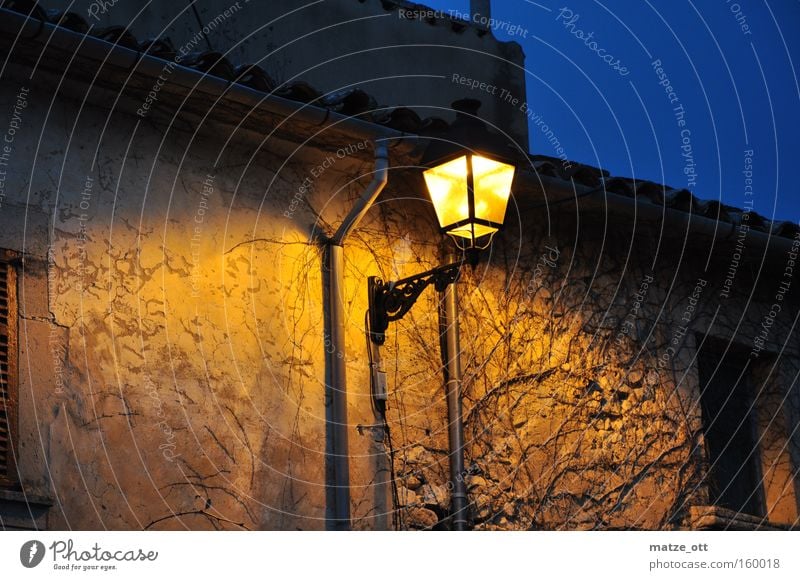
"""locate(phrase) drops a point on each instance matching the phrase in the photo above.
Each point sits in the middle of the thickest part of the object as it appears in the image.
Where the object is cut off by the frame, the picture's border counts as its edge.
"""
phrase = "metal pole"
(451, 351)
(380, 456)
(337, 386)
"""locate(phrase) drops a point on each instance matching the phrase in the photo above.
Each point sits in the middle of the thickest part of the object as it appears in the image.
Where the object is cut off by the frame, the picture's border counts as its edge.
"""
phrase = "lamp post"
(469, 179)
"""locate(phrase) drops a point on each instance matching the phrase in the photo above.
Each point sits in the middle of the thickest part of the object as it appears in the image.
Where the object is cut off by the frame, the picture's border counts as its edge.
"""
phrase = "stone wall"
(581, 400)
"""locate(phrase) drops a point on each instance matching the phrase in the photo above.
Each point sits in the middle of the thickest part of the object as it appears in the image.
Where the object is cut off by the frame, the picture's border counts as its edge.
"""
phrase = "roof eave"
(18, 29)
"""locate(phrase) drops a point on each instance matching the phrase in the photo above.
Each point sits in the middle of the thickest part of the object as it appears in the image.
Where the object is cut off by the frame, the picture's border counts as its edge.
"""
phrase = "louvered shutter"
(8, 387)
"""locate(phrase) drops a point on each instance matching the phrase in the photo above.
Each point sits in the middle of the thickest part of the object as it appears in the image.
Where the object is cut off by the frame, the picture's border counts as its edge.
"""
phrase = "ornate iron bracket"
(390, 301)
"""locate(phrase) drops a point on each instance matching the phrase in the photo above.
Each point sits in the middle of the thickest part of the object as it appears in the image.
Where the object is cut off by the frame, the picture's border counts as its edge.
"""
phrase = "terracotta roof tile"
(70, 20)
(117, 35)
(651, 191)
(621, 185)
(255, 77)
(349, 102)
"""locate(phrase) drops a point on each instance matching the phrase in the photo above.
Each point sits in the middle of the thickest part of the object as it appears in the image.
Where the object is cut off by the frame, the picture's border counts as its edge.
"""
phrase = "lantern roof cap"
(469, 134)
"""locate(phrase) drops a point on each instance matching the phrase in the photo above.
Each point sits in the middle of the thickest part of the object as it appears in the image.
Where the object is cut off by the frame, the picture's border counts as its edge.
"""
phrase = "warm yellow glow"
(492, 182)
(465, 231)
(447, 185)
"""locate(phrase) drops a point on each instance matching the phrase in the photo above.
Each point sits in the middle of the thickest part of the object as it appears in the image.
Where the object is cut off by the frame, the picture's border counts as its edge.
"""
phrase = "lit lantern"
(468, 183)
(470, 195)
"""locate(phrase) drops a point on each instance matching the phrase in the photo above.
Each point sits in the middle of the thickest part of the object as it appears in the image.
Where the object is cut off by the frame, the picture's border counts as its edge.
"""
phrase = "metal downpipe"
(339, 519)
(335, 347)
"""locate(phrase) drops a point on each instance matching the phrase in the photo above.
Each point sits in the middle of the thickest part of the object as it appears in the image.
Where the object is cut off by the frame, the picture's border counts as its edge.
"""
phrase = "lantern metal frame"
(469, 137)
(471, 218)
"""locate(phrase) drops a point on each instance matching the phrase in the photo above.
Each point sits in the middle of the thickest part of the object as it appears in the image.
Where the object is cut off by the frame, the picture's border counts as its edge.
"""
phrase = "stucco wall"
(172, 343)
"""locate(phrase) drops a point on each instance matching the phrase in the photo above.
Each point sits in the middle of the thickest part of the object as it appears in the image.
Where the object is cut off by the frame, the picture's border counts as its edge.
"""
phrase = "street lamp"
(468, 176)
(469, 172)
(470, 194)
(469, 179)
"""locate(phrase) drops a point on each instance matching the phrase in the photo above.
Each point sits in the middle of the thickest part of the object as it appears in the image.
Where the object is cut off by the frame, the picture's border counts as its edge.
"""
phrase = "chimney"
(481, 8)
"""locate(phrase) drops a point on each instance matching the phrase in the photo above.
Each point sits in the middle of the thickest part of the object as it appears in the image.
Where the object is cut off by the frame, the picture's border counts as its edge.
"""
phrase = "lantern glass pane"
(492, 181)
(447, 185)
(466, 231)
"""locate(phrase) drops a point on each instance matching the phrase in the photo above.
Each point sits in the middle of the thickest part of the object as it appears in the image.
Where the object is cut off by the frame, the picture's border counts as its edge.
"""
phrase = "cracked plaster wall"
(171, 336)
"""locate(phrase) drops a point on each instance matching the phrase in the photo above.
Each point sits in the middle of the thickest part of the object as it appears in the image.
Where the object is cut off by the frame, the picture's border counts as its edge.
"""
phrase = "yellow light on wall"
(470, 194)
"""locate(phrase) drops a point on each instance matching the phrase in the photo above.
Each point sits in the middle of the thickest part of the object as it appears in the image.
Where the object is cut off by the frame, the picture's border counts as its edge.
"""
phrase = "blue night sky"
(732, 67)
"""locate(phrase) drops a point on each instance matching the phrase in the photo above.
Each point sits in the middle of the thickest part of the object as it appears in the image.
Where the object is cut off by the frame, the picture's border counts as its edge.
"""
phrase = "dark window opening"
(726, 399)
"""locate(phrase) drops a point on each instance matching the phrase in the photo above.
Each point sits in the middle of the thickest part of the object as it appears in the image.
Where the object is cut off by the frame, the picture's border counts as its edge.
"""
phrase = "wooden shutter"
(8, 373)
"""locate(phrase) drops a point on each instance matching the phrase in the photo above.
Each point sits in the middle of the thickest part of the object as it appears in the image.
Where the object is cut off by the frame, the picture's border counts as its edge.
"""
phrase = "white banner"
(354, 555)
